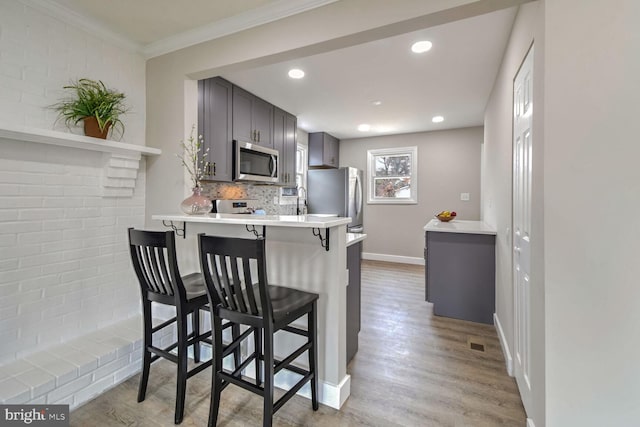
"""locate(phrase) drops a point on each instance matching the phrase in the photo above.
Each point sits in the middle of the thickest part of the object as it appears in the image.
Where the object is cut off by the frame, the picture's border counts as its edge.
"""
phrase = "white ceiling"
(453, 79)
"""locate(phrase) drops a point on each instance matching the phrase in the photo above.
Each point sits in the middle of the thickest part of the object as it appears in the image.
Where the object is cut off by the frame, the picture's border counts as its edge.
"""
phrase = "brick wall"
(64, 266)
(40, 54)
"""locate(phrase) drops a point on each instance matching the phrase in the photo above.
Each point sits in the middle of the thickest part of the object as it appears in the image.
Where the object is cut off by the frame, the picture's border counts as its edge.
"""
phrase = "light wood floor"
(412, 369)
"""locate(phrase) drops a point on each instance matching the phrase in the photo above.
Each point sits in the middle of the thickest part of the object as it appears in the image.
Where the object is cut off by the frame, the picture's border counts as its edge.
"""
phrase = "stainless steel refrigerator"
(336, 191)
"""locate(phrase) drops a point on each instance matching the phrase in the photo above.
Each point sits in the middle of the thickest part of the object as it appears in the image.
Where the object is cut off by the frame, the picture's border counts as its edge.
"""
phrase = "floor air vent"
(476, 344)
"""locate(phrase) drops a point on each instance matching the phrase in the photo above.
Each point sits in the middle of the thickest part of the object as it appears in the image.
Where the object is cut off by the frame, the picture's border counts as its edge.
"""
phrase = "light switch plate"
(275, 200)
(464, 196)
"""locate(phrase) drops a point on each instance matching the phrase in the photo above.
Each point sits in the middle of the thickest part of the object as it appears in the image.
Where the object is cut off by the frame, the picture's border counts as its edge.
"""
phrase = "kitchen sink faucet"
(301, 188)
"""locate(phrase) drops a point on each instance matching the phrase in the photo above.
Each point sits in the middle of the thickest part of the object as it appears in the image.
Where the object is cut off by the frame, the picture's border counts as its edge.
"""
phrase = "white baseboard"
(530, 423)
(505, 346)
(393, 258)
(328, 394)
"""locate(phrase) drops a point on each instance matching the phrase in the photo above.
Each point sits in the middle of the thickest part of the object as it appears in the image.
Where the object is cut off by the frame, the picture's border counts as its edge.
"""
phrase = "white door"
(522, 144)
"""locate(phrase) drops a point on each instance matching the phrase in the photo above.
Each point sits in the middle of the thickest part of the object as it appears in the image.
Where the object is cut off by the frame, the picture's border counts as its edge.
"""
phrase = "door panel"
(522, 172)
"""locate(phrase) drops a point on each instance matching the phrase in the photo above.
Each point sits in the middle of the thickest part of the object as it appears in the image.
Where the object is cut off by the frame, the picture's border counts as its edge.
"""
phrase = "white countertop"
(299, 221)
(459, 226)
(355, 238)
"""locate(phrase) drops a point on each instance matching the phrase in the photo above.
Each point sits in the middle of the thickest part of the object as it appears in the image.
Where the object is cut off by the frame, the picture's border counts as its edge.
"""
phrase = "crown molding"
(244, 21)
(86, 23)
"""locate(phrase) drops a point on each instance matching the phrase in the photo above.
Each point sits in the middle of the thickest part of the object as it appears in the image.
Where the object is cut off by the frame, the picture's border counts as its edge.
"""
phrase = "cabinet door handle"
(214, 168)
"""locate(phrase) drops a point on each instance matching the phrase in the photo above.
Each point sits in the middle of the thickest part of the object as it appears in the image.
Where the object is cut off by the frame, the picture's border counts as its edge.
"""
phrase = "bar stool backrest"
(153, 254)
(231, 267)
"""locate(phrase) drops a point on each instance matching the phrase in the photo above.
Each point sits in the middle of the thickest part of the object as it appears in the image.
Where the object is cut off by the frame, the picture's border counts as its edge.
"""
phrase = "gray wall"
(497, 195)
(448, 164)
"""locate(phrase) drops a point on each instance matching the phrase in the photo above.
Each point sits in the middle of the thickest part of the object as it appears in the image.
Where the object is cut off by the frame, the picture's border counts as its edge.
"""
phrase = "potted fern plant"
(94, 104)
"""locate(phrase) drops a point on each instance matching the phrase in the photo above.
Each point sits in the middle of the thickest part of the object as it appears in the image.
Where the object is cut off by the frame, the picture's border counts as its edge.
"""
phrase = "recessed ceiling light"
(421, 46)
(376, 103)
(437, 119)
(364, 127)
(296, 73)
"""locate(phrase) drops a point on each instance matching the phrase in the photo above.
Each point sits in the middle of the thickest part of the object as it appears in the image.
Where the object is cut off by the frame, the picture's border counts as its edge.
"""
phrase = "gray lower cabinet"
(460, 275)
(215, 97)
(324, 151)
(354, 256)
(284, 140)
(252, 118)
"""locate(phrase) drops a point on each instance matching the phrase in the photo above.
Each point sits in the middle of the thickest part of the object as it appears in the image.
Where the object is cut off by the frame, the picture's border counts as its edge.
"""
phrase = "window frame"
(412, 152)
(301, 170)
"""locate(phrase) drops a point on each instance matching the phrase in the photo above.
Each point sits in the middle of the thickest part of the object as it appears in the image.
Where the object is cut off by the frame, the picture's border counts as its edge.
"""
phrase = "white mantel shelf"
(64, 139)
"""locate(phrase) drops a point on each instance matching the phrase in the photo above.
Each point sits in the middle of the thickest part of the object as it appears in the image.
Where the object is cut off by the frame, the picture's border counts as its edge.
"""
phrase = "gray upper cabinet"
(323, 150)
(252, 118)
(284, 140)
(215, 97)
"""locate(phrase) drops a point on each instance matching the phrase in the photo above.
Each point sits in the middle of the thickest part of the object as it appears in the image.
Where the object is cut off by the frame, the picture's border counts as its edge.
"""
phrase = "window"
(393, 175)
(289, 195)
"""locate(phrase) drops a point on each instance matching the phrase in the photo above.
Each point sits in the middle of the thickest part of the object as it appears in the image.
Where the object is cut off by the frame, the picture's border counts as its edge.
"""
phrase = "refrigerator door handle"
(358, 195)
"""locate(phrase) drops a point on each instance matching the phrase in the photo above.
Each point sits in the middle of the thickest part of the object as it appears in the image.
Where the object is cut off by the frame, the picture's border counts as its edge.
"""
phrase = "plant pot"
(92, 129)
(196, 204)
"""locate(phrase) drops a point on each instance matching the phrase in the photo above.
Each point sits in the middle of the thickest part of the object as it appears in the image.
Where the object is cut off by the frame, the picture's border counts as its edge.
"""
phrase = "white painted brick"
(61, 224)
(127, 372)
(122, 183)
(12, 177)
(21, 202)
(61, 370)
(8, 240)
(62, 202)
(9, 215)
(39, 381)
(60, 267)
(93, 390)
(9, 264)
(117, 192)
(40, 214)
(75, 275)
(70, 388)
(111, 368)
(9, 190)
(40, 282)
(40, 259)
(39, 237)
(13, 391)
(104, 353)
(64, 245)
(82, 212)
(42, 400)
(40, 190)
(20, 227)
(84, 362)
(9, 288)
(13, 276)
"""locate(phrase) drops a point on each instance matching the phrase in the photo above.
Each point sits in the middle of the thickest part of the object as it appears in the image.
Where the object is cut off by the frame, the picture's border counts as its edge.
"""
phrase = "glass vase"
(196, 204)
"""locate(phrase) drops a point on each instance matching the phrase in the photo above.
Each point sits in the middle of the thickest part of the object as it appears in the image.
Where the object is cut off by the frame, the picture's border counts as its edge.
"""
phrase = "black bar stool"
(234, 295)
(153, 255)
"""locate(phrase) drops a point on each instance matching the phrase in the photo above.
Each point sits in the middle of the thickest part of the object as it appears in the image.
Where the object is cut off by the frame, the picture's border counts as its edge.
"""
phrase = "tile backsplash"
(265, 194)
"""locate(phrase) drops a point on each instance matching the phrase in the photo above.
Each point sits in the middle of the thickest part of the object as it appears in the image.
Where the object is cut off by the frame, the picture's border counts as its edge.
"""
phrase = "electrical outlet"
(464, 196)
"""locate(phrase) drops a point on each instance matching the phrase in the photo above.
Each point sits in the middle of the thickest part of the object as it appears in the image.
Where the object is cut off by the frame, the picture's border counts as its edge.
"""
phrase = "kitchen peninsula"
(305, 252)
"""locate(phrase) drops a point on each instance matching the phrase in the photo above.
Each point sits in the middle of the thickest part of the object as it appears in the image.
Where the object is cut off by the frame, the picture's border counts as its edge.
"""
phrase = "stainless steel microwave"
(252, 162)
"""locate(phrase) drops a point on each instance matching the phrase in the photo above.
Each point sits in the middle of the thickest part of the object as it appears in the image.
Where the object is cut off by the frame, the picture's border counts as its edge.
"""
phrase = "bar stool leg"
(313, 354)
(267, 417)
(146, 354)
(182, 367)
(257, 342)
(195, 326)
(216, 381)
